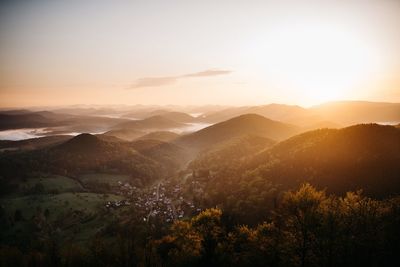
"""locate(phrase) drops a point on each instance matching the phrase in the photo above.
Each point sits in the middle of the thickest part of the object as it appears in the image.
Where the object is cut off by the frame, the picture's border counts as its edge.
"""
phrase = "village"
(163, 201)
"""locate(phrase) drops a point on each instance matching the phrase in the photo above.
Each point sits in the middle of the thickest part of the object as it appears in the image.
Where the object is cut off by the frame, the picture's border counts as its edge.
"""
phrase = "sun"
(317, 62)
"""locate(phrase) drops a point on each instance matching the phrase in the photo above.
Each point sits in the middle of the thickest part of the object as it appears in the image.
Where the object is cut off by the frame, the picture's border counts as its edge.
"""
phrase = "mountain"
(358, 157)
(154, 122)
(24, 120)
(231, 152)
(245, 124)
(353, 112)
(166, 153)
(125, 134)
(287, 113)
(336, 160)
(33, 143)
(165, 136)
(82, 154)
(84, 144)
(134, 129)
(56, 123)
(88, 124)
(223, 115)
(86, 111)
(178, 116)
(171, 115)
(335, 114)
(296, 115)
(143, 113)
(144, 157)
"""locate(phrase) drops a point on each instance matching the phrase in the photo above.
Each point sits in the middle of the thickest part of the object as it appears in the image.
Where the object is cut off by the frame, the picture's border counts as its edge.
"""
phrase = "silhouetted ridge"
(83, 143)
(251, 124)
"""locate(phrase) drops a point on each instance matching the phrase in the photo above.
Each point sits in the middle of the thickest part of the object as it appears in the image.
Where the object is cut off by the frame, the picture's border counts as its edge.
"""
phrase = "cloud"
(207, 73)
(153, 82)
(168, 80)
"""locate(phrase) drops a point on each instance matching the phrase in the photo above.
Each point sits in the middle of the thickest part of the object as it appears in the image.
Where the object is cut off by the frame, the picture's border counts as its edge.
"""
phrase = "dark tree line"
(308, 228)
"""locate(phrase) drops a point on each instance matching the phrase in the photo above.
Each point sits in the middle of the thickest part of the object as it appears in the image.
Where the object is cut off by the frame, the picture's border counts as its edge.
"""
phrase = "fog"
(21, 134)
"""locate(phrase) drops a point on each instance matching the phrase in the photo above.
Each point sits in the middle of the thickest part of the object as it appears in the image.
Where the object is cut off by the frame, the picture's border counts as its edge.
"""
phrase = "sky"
(198, 52)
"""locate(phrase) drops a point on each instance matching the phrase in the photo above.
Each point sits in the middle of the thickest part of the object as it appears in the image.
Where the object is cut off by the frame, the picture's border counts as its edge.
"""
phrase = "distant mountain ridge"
(252, 124)
(132, 130)
(340, 113)
(353, 112)
(153, 122)
(171, 115)
(165, 136)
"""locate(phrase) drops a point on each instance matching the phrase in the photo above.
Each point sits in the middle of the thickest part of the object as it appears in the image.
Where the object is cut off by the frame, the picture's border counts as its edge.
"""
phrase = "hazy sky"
(198, 52)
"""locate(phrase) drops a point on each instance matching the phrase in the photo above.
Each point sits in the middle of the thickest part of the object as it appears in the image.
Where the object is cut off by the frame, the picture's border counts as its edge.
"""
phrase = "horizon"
(50, 107)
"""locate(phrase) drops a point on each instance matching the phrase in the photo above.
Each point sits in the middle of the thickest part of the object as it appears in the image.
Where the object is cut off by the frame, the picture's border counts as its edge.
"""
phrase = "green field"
(77, 215)
(56, 183)
(57, 204)
(66, 204)
(110, 179)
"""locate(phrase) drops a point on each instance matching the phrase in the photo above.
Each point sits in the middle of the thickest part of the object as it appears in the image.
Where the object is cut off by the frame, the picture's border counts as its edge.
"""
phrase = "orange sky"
(198, 52)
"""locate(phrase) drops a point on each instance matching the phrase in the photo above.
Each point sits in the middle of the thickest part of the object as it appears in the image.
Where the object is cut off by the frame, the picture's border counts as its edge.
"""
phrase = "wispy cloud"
(153, 82)
(207, 73)
(168, 80)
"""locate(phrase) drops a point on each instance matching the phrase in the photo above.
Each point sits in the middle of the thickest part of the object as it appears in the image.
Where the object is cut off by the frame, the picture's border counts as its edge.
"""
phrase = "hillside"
(171, 115)
(84, 153)
(24, 120)
(84, 144)
(223, 114)
(358, 157)
(155, 122)
(145, 112)
(33, 143)
(251, 124)
(165, 136)
(336, 160)
(56, 123)
(132, 130)
(230, 152)
(125, 134)
(178, 116)
(167, 154)
(285, 113)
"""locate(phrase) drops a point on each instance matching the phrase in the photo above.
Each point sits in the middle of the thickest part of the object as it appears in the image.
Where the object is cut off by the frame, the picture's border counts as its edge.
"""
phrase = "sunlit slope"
(245, 124)
(358, 157)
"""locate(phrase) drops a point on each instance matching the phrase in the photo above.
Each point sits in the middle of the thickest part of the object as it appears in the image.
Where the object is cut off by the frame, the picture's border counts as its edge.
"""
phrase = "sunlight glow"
(320, 62)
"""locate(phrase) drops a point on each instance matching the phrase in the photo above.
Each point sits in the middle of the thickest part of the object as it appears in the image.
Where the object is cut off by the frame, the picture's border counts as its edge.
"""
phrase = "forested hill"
(365, 156)
(87, 153)
(245, 124)
(362, 157)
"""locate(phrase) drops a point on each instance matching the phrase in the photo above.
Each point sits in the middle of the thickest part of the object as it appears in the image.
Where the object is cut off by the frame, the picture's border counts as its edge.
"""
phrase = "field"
(57, 184)
(78, 214)
(110, 179)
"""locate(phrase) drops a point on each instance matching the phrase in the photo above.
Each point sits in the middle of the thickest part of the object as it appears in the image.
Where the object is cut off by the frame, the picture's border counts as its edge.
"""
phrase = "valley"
(144, 178)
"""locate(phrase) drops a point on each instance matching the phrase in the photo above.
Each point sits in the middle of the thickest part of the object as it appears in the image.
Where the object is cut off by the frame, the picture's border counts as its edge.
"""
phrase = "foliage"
(309, 228)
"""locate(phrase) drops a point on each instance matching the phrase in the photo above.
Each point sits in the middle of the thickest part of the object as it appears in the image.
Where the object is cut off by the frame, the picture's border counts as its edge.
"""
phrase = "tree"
(303, 218)
(182, 247)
